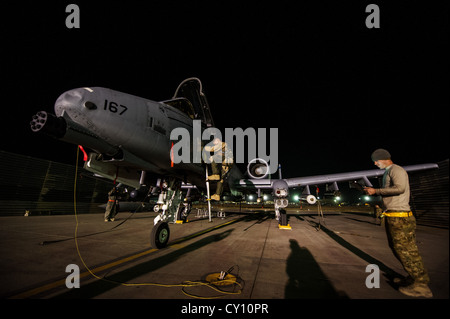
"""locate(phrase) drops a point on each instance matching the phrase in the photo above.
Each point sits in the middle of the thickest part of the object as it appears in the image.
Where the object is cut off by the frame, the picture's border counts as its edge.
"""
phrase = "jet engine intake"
(258, 168)
(310, 199)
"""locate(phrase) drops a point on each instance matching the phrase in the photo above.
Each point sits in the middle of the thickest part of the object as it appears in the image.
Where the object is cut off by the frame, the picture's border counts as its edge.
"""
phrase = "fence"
(429, 196)
(45, 187)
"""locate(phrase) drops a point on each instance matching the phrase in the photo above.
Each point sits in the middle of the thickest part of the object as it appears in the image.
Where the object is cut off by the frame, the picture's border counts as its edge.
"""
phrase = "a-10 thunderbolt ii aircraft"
(130, 141)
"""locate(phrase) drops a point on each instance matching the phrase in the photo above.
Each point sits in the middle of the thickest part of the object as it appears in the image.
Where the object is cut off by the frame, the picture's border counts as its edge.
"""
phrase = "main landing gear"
(280, 213)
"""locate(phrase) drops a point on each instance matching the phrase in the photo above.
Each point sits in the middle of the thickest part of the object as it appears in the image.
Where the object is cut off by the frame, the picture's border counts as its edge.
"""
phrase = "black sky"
(335, 89)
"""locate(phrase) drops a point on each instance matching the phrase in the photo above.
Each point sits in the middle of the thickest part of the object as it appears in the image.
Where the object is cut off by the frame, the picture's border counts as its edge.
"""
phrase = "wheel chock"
(285, 227)
(181, 222)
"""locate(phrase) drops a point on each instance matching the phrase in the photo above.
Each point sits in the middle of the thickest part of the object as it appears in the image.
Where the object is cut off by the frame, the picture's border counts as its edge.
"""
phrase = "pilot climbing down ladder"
(219, 169)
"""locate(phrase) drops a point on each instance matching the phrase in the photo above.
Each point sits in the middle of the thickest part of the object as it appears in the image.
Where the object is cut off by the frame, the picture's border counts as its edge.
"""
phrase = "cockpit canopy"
(190, 90)
(184, 105)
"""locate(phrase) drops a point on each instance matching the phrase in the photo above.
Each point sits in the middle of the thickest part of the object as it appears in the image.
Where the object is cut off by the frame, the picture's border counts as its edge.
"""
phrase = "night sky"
(335, 89)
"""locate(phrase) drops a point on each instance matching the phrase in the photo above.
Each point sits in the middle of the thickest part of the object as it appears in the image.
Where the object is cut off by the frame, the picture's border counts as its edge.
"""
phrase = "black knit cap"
(380, 154)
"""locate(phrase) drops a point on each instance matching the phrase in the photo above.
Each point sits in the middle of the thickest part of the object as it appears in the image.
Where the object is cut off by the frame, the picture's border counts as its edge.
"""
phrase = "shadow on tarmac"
(389, 273)
(306, 279)
(100, 286)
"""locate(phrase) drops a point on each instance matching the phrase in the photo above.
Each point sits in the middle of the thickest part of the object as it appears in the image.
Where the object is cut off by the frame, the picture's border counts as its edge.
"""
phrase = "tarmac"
(318, 258)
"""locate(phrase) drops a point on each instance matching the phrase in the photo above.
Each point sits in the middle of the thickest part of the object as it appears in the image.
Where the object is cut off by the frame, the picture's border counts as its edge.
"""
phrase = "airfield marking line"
(61, 282)
(182, 239)
(260, 258)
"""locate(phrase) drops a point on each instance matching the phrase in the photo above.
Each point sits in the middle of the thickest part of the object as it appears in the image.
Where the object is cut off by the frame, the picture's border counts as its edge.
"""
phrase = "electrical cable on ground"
(212, 285)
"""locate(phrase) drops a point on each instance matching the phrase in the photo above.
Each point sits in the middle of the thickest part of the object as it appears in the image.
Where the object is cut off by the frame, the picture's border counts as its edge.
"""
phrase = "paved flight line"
(62, 282)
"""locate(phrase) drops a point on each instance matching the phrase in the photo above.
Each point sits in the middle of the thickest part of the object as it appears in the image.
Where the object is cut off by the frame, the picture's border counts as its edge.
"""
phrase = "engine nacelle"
(310, 199)
(258, 168)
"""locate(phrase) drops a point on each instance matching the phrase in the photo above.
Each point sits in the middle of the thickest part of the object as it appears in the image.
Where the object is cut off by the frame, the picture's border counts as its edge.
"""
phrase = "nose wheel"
(159, 236)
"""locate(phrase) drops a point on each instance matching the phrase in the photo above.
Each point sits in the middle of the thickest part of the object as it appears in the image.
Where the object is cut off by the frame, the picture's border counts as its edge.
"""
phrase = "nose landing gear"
(159, 236)
(170, 200)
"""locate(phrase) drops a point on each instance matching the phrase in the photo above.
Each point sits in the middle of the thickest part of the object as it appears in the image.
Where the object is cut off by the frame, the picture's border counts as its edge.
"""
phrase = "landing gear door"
(191, 89)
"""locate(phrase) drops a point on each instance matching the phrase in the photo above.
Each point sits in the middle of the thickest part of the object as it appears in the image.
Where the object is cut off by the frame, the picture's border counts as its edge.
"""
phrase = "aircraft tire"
(159, 236)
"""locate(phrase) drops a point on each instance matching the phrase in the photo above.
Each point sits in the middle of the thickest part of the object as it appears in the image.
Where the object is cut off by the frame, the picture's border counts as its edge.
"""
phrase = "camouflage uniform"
(221, 169)
(401, 229)
(401, 233)
(112, 207)
(401, 225)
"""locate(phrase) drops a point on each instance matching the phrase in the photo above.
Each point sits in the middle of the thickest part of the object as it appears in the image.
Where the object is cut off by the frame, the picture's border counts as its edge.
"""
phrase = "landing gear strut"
(283, 218)
(169, 201)
(183, 211)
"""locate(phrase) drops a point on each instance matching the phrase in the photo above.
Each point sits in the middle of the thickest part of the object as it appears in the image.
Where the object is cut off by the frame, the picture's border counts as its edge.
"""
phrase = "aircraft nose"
(70, 101)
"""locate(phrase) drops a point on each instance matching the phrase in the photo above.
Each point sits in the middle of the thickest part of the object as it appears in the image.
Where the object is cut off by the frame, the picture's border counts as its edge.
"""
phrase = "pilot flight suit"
(112, 207)
(401, 224)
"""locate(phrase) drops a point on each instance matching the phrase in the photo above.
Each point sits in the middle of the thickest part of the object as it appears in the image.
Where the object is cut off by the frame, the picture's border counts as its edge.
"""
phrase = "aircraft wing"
(362, 177)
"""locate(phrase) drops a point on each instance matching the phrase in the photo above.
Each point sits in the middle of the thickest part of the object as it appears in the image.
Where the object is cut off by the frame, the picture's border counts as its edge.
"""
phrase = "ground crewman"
(112, 207)
(219, 168)
(401, 225)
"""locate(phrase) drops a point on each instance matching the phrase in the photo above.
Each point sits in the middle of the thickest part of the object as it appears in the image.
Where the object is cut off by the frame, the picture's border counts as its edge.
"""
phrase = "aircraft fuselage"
(122, 127)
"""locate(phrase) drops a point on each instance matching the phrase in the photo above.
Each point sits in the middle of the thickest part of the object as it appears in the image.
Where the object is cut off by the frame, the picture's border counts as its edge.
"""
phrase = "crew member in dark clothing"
(112, 207)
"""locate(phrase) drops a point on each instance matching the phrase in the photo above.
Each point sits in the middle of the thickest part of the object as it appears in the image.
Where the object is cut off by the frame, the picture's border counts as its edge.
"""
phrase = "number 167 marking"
(114, 107)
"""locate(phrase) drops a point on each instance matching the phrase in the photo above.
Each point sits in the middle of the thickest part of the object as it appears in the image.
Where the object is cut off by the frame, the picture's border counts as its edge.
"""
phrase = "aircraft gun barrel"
(69, 131)
(49, 124)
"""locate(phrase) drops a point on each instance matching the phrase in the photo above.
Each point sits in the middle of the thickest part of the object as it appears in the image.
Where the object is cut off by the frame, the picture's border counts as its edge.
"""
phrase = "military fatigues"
(221, 169)
(401, 232)
(112, 207)
(400, 222)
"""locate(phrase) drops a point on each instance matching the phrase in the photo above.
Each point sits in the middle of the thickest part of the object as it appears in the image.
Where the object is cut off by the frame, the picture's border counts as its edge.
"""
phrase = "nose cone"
(71, 102)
